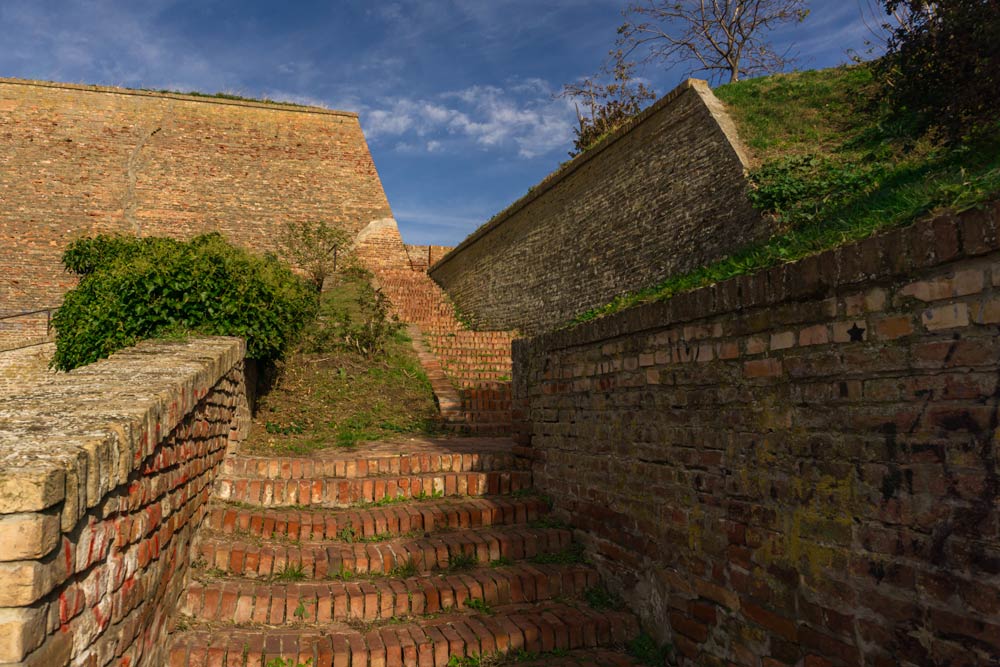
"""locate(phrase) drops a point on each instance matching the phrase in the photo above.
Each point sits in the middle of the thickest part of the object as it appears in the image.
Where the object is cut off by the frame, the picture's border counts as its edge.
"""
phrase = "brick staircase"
(425, 553)
(477, 364)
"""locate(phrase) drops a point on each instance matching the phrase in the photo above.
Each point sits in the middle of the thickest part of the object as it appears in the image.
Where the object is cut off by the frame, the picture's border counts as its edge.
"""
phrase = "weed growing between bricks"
(645, 649)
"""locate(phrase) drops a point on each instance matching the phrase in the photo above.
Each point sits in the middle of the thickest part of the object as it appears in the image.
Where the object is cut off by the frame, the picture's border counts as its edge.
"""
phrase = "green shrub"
(942, 65)
(134, 289)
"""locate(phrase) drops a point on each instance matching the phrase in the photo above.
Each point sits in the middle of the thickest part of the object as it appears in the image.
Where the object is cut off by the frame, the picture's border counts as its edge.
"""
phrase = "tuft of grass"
(572, 554)
(479, 605)
(599, 597)
(402, 498)
(290, 662)
(343, 574)
(405, 571)
(501, 562)
(548, 521)
(832, 167)
(462, 561)
(348, 534)
(645, 650)
(290, 573)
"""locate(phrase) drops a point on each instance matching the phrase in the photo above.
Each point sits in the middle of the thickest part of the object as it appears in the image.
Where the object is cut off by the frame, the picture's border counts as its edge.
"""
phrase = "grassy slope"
(338, 397)
(833, 169)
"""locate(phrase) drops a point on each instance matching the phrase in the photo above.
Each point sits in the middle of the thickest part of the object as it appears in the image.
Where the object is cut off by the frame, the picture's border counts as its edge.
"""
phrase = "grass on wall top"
(833, 167)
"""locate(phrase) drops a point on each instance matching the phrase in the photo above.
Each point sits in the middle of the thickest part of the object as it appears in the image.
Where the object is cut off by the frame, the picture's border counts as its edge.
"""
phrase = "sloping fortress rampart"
(662, 195)
(81, 160)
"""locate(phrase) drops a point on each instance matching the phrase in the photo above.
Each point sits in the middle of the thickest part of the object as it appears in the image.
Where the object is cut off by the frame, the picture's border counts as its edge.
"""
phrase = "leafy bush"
(943, 63)
(133, 289)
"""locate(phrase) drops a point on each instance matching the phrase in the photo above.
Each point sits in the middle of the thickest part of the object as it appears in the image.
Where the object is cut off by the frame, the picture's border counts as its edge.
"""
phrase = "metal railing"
(48, 327)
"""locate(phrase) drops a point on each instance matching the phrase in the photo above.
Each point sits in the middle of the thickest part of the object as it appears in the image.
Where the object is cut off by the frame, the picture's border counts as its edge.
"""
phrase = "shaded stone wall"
(80, 160)
(104, 476)
(799, 465)
(664, 194)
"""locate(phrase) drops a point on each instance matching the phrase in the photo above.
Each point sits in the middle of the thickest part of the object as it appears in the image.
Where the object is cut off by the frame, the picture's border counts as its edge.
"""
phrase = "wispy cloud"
(522, 118)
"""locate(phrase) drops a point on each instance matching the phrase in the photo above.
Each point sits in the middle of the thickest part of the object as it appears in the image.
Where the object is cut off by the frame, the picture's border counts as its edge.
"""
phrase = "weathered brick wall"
(664, 194)
(800, 465)
(79, 160)
(104, 476)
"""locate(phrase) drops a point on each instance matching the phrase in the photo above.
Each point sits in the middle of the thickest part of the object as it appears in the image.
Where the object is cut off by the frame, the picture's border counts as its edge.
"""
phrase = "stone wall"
(799, 465)
(664, 194)
(104, 476)
(79, 160)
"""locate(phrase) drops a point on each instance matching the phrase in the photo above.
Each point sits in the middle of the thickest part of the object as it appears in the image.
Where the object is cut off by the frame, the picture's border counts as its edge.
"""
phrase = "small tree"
(725, 38)
(314, 247)
(606, 106)
(943, 63)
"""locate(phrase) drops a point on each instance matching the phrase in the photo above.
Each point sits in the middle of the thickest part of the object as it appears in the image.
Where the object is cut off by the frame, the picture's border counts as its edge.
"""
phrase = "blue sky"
(455, 96)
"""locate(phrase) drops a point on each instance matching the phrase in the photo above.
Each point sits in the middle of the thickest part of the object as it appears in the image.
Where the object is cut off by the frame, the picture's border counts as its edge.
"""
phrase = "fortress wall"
(664, 194)
(81, 160)
(802, 464)
(104, 476)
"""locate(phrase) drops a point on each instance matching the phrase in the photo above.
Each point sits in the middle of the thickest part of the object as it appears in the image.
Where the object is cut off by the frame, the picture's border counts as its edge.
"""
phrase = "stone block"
(28, 536)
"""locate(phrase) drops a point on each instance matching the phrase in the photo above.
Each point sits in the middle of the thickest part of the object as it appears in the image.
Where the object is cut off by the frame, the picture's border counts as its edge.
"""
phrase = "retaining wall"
(104, 476)
(664, 194)
(794, 467)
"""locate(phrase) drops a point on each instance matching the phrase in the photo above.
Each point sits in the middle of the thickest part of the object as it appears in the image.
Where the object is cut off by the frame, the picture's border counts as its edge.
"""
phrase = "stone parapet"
(104, 474)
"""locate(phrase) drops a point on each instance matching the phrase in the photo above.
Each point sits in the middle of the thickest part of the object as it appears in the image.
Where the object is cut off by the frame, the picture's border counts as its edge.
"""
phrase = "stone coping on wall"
(207, 99)
(715, 108)
(925, 244)
(74, 437)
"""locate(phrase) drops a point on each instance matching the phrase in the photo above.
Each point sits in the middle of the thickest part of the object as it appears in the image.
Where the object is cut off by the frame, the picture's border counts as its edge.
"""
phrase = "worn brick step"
(370, 522)
(334, 492)
(488, 416)
(274, 467)
(539, 628)
(475, 428)
(249, 558)
(243, 601)
(596, 657)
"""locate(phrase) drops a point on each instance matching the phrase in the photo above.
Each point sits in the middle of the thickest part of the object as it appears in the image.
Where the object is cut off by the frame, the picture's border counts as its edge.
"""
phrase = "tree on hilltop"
(727, 39)
(723, 38)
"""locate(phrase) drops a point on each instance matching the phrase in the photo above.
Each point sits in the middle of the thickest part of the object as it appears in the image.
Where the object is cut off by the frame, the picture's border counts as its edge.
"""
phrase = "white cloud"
(522, 118)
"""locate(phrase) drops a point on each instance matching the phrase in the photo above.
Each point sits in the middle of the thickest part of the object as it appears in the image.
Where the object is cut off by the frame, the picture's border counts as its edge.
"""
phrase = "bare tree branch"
(724, 38)
(610, 104)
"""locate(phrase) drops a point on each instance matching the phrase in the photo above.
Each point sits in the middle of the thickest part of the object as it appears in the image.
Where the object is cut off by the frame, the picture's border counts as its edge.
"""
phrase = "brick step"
(487, 416)
(478, 429)
(274, 604)
(434, 551)
(539, 628)
(340, 492)
(596, 657)
(443, 459)
(375, 521)
(471, 355)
